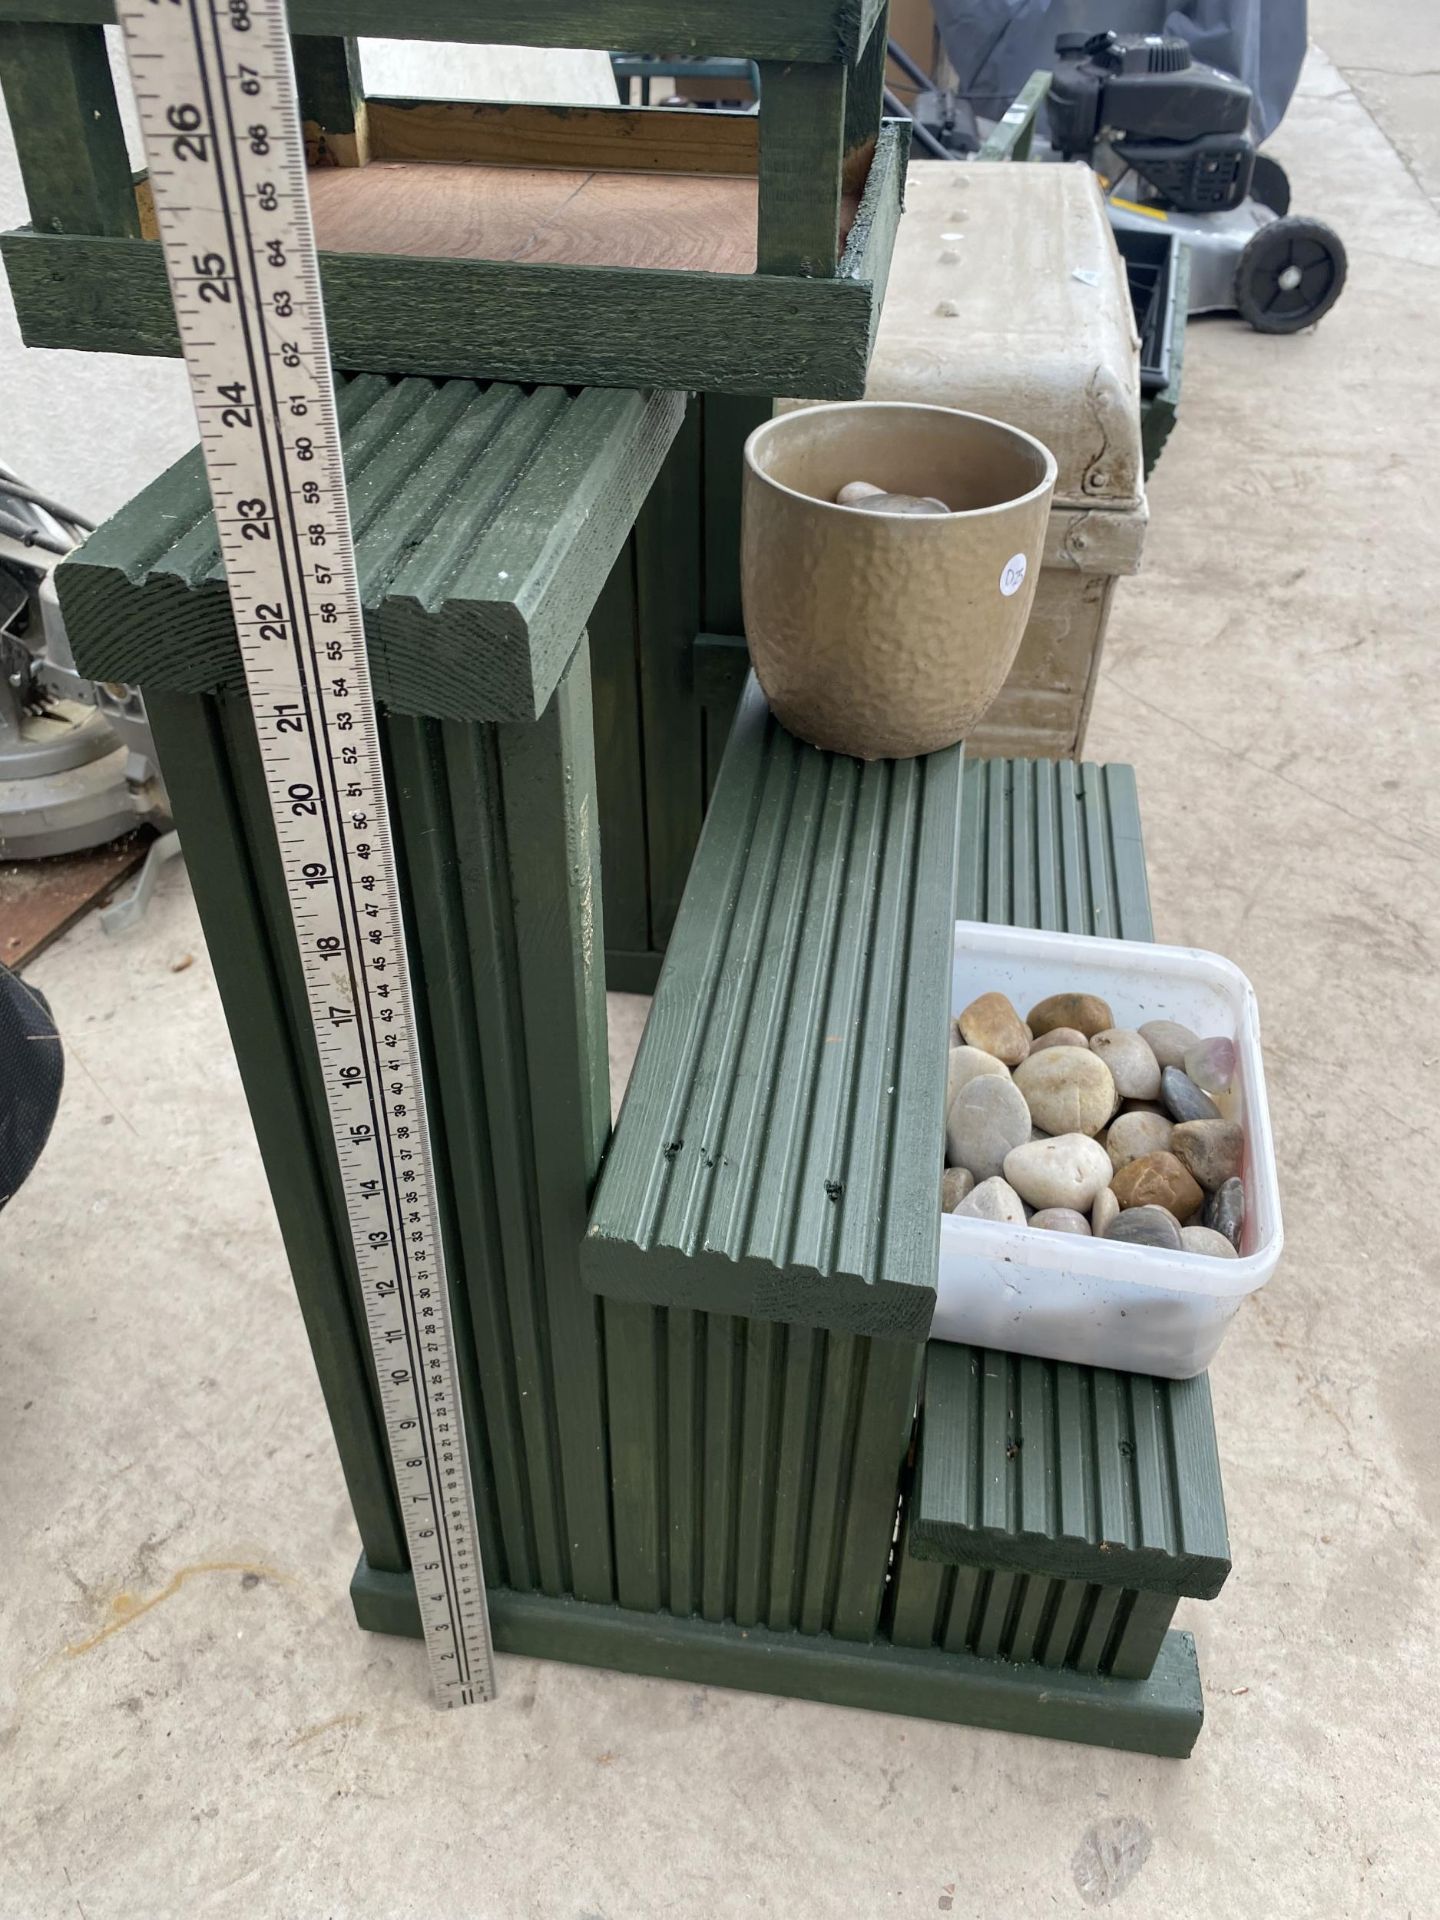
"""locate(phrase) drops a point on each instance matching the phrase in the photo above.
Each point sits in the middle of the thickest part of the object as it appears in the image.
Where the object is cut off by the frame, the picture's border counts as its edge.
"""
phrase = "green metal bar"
(1013, 135)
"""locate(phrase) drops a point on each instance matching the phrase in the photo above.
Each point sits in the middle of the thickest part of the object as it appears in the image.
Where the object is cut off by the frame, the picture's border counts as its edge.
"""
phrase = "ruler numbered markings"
(216, 95)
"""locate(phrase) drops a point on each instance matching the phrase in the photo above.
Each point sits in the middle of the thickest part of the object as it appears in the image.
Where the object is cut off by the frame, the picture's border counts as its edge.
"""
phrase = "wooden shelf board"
(556, 215)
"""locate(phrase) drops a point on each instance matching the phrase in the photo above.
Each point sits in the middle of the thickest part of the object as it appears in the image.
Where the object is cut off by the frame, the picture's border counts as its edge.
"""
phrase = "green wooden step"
(1080, 1473)
(776, 1154)
(486, 519)
(1057, 1512)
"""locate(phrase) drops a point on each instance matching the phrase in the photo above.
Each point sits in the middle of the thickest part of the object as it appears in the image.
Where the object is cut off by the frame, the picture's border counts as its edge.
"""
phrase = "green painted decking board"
(776, 1154)
(1001, 1614)
(1077, 1472)
(761, 333)
(1054, 844)
(819, 30)
(487, 519)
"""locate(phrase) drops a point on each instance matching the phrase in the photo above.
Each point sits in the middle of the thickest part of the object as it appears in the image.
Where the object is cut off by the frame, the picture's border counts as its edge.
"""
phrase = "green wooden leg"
(68, 135)
(865, 103)
(669, 559)
(332, 100)
(802, 116)
(226, 853)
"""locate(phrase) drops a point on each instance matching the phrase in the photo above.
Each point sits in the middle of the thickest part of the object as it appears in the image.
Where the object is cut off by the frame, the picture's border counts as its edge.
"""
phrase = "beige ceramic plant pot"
(881, 634)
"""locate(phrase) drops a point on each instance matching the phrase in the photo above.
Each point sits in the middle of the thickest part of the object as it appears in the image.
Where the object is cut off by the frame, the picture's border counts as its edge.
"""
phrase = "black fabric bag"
(32, 1072)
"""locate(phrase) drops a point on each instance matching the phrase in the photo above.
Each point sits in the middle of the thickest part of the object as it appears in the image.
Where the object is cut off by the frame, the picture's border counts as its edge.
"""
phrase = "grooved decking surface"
(486, 520)
(1081, 1472)
(776, 1154)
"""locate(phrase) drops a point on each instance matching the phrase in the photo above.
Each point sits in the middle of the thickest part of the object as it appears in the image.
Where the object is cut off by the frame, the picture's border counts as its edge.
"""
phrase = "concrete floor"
(190, 1723)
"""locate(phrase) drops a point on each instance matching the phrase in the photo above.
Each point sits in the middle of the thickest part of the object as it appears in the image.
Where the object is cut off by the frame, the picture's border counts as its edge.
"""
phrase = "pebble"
(1146, 1227)
(1225, 1212)
(1158, 1180)
(992, 1024)
(1206, 1240)
(874, 502)
(1133, 1067)
(966, 1064)
(1059, 1037)
(854, 491)
(1212, 1149)
(1064, 1220)
(1086, 1012)
(1066, 1172)
(1105, 1209)
(993, 1199)
(1068, 1090)
(955, 1184)
(1211, 1065)
(989, 1117)
(1168, 1041)
(1184, 1099)
(1132, 1135)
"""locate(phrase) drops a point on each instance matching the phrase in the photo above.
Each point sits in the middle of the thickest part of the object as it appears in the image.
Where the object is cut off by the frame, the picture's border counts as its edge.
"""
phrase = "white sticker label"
(1012, 575)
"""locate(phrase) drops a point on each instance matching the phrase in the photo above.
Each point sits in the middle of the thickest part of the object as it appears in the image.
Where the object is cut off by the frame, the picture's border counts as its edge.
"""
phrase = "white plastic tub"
(1101, 1302)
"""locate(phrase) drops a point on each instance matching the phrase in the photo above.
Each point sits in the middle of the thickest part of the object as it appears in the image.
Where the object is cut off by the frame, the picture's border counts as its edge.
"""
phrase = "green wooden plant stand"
(709, 1437)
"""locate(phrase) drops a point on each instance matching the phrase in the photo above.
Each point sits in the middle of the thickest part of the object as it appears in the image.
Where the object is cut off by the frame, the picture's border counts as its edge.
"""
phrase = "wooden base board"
(39, 899)
(1162, 1715)
(562, 216)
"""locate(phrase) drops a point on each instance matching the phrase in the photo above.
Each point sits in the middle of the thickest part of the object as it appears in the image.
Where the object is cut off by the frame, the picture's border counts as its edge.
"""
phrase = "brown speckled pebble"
(992, 1024)
(955, 1184)
(1158, 1180)
(1086, 1012)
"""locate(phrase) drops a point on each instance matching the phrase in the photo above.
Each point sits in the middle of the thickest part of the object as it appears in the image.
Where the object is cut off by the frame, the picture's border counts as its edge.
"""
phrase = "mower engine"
(1181, 125)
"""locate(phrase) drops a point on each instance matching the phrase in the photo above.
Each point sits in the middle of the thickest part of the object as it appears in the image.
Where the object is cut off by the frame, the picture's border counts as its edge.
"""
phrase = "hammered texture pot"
(885, 635)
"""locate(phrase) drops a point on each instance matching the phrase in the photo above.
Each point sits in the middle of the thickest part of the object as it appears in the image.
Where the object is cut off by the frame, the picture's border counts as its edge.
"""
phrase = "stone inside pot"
(1110, 1135)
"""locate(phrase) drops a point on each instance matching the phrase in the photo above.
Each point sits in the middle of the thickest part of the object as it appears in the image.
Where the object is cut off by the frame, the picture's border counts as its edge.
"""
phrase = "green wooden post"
(332, 100)
(620, 780)
(68, 136)
(668, 552)
(865, 103)
(250, 971)
(802, 116)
